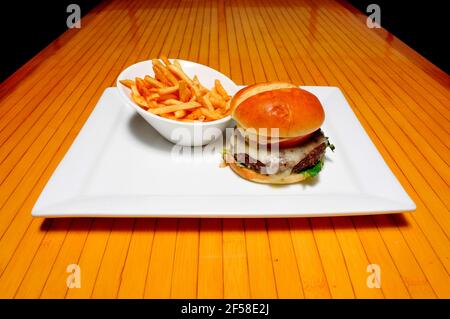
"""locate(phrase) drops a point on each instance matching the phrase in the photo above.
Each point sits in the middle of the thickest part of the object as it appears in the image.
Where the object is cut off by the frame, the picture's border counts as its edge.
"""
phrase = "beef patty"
(295, 159)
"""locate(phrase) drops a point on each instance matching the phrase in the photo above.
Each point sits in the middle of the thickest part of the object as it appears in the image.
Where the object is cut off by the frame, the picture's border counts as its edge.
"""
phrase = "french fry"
(195, 114)
(213, 115)
(204, 100)
(174, 108)
(180, 73)
(214, 95)
(134, 90)
(157, 64)
(166, 90)
(219, 88)
(177, 64)
(137, 97)
(226, 113)
(140, 85)
(228, 105)
(127, 83)
(152, 96)
(152, 104)
(184, 92)
(145, 92)
(153, 82)
(196, 91)
(200, 87)
(203, 90)
(139, 100)
(160, 76)
(196, 87)
(167, 97)
(196, 81)
(171, 102)
(183, 76)
(172, 94)
(180, 113)
(170, 116)
(165, 60)
(217, 101)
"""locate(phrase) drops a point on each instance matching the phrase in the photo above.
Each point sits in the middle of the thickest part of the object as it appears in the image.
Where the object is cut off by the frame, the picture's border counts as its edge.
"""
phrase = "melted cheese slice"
(276, 160)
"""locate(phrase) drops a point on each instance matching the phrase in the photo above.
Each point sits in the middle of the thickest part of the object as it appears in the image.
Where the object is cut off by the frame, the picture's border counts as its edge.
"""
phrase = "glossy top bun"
(294, 111)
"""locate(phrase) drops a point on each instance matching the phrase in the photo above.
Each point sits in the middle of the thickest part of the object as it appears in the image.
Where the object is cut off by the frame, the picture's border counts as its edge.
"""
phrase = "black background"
(285, 309)
(423, 25)
(28, 26)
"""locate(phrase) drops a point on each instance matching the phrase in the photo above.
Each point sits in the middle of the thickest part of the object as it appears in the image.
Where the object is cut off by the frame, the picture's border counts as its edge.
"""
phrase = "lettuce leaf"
(313, 171)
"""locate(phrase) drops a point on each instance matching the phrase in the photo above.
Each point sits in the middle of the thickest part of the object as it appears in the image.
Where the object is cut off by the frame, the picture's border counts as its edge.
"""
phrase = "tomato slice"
(294, 141)
(281, 142)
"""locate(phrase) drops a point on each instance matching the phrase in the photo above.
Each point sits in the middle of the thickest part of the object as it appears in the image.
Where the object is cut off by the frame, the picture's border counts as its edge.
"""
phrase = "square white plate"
(119, 166)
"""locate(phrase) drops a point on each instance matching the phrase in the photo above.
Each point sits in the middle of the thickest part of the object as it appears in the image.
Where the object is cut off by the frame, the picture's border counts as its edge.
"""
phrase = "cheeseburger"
(277, 139)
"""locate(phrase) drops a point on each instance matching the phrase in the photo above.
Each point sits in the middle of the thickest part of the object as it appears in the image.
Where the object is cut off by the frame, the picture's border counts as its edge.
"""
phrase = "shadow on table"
(227, 225)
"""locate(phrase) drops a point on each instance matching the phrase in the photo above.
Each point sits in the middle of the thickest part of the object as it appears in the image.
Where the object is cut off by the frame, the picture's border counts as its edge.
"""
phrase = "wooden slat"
(287, 277)
(185, 260)
(335, 268)
(138, 257)
(210, 260)
(313, 278)
(160, 269)
(55, 284)
(401, 99)
(109, 277)
(91, 257)
(235, 267)
(259, 260)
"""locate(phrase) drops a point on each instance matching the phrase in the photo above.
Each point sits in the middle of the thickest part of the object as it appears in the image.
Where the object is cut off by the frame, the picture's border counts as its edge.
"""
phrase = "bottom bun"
(267, 179)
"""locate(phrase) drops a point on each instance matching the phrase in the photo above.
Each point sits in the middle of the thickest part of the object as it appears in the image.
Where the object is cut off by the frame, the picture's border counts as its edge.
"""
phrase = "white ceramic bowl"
(182, 133)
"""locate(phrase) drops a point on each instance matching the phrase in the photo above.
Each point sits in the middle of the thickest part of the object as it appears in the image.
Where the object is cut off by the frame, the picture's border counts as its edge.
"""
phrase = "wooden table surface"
(401, 99)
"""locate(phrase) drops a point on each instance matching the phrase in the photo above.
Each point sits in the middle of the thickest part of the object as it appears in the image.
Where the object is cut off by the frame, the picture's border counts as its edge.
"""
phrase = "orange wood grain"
(137, 261)
(401, 99)
(210, 260)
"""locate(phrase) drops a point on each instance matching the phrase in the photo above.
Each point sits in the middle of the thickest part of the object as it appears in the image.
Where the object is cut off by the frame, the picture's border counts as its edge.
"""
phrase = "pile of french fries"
(173, 95)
